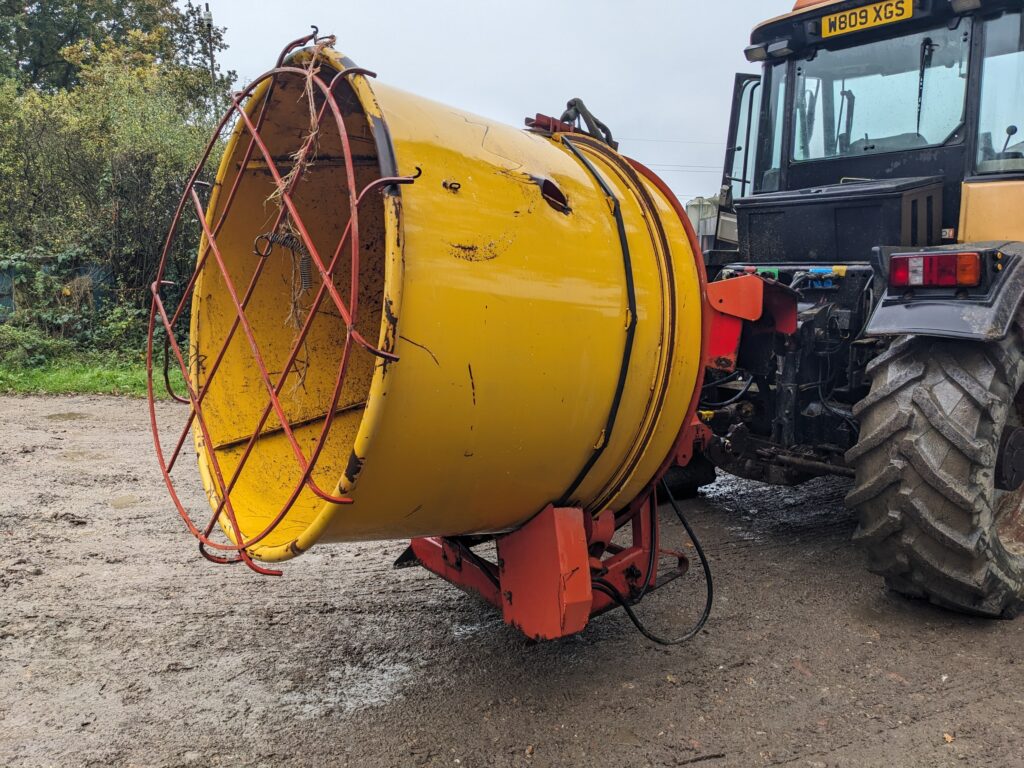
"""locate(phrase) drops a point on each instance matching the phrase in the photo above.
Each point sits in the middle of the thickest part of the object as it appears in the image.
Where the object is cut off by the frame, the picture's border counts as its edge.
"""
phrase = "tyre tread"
(931, 534)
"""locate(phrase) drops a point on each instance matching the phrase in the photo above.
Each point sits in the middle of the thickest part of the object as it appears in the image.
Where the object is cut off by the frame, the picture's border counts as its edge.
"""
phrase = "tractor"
(872, 208)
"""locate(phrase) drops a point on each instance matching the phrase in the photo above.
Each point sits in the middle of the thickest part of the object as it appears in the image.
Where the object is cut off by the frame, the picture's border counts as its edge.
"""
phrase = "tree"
(101, 166)
(36, 38)
(94, 152)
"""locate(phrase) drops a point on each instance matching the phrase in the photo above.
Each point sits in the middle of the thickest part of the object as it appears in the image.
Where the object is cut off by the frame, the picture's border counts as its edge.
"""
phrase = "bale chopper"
(408, 321)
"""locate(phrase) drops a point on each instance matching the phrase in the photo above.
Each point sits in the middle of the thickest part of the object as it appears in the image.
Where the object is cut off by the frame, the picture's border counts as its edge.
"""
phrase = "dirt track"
(120, 646)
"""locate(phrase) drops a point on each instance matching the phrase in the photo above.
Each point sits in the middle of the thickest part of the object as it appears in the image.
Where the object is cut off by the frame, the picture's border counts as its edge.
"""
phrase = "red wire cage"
(319, 85)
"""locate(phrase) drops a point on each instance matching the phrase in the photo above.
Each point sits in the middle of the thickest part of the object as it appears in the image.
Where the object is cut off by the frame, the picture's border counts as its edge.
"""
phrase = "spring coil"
(264, 246)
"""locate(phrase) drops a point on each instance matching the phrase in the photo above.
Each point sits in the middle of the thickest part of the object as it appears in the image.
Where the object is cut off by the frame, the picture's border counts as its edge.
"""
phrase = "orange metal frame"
(746, 300)
(542, 581)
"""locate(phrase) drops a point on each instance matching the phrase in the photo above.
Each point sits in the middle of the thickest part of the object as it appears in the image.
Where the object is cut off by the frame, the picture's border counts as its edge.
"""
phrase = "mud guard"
(984, 317)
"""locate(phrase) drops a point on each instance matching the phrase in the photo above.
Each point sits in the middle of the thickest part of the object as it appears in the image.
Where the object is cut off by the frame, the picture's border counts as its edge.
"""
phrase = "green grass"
(86, 376)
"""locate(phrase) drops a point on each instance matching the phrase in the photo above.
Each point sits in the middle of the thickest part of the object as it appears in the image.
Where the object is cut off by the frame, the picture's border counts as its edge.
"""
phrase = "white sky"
(658, 72)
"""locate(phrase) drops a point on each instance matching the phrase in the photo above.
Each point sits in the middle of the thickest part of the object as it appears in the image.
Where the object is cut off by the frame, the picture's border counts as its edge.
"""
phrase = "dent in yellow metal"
(508, 312)
(991, 210)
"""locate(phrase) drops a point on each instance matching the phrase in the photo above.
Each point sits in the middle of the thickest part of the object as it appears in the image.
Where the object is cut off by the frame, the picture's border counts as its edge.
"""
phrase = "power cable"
(609, 589)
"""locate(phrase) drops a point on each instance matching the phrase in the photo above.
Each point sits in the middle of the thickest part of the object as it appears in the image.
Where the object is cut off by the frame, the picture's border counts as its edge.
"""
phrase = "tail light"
(935, 270)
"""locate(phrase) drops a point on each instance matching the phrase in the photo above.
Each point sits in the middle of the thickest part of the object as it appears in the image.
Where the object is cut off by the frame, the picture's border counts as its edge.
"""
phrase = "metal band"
(627, 354)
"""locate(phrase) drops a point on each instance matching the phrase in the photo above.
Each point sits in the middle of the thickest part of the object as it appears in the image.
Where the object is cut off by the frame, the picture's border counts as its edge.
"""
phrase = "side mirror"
(725, 197)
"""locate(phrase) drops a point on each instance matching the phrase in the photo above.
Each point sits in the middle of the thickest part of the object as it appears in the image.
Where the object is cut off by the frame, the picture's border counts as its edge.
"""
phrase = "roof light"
(963, 6)
(935, 270)
(780, 48)
(755, 53)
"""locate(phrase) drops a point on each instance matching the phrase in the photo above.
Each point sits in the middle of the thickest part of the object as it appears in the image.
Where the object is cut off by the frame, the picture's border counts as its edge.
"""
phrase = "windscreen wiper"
(927, 49)
(847, 100)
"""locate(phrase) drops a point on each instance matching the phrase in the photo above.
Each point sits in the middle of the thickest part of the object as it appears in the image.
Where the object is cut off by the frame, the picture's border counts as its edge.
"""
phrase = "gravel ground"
(120, 646)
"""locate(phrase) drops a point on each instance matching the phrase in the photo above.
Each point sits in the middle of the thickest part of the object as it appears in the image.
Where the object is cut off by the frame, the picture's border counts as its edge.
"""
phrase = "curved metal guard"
(173, 323)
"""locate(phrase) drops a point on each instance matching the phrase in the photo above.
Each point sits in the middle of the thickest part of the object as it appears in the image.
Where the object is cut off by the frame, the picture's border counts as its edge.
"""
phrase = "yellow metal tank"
(541, 296)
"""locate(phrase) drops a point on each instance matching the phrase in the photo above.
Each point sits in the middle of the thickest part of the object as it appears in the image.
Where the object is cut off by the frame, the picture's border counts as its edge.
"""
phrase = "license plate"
(874, 15)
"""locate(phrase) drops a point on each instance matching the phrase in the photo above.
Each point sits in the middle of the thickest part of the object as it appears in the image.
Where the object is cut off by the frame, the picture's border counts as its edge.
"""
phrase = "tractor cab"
(885, 123)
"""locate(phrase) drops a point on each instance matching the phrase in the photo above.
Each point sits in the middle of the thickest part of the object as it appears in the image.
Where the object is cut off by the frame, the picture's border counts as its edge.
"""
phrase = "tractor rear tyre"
(931, 517)
(685, 482)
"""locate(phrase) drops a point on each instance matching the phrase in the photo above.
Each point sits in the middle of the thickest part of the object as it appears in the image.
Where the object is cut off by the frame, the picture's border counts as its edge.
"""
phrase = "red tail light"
(935, 270)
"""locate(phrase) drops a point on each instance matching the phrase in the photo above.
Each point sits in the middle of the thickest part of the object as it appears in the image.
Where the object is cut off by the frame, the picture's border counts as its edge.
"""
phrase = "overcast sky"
(658, 72)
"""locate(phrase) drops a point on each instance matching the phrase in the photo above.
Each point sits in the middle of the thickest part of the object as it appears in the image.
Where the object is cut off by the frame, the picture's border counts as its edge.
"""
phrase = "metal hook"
(263, 252)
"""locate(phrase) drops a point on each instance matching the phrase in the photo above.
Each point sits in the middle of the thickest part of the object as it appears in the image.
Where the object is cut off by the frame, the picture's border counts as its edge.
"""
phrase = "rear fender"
(983, 317)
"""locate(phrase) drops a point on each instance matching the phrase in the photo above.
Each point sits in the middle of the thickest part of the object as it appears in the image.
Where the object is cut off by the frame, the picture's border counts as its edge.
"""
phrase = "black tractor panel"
(841, 222)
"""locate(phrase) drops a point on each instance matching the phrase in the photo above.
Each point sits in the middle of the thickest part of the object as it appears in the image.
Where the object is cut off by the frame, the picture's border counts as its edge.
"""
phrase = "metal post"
(208, 21)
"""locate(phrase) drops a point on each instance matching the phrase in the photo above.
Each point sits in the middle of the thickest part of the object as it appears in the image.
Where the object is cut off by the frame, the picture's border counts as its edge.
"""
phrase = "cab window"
(1001, 116)
(769, 149)
(892, 95)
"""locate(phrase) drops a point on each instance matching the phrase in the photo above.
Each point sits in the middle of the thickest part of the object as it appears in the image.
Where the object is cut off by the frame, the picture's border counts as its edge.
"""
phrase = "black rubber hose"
(725, 380)
(735, 399)
(610, 590)
(652, 556)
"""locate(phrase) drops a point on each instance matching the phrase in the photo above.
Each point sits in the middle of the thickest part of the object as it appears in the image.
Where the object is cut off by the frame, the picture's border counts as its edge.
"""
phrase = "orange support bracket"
(543, 581)
(545, 575)
(456, 563)
(747, 299)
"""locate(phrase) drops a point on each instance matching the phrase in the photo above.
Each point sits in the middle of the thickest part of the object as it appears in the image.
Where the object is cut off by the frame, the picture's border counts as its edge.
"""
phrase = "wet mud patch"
(67, 416)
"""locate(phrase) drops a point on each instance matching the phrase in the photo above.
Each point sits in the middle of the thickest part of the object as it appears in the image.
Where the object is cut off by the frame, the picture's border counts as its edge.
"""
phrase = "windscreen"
(889, 95)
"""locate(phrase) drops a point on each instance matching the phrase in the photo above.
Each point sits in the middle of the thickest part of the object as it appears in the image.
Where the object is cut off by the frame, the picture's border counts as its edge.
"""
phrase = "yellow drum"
(531, 306)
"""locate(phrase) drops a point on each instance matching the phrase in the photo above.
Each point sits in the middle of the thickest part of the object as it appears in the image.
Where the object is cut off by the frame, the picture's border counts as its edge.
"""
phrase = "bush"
(49, 295)
(122, 330)
(92, 165)
(25, 347)
(59, 297)
(105, 107)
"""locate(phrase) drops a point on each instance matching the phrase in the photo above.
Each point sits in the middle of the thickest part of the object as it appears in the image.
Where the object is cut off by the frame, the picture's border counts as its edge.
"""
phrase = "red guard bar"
(290, 215)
